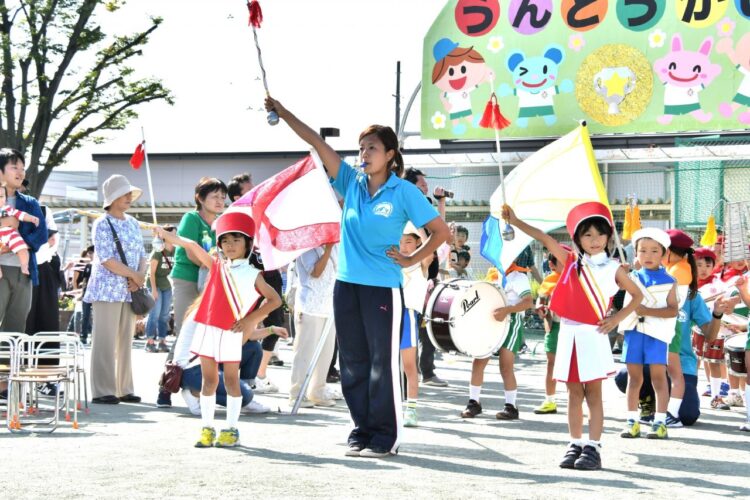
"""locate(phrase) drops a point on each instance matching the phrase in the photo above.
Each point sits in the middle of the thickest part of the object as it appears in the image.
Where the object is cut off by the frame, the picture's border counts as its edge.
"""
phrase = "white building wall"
(175, 179)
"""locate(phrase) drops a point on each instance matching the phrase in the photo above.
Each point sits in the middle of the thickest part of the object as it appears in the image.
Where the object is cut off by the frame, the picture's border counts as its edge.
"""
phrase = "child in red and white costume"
(582, 299)
(11, 238)
(228, 307)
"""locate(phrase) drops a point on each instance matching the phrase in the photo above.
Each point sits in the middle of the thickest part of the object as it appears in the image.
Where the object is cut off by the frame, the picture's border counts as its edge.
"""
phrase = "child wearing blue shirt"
(649, 330)
(367, 297)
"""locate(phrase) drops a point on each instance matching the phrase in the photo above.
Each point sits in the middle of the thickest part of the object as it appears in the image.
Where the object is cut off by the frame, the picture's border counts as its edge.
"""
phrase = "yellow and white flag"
(545, 186)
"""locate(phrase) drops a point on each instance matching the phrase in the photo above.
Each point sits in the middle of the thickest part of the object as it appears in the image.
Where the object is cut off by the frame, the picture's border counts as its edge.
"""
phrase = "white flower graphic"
(656, 38)
(495, 44)
(438, 120)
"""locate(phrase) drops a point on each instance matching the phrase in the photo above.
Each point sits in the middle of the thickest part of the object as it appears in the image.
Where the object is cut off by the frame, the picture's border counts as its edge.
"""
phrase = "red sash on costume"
(223, 303)
(578, 298)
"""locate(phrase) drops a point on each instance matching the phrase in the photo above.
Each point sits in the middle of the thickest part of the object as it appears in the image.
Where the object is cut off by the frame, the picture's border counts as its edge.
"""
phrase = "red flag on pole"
(294, 211)
(138, 156)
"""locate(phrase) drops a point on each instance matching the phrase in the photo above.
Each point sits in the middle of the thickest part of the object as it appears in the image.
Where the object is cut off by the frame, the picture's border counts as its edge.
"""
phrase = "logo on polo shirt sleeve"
(383, 208)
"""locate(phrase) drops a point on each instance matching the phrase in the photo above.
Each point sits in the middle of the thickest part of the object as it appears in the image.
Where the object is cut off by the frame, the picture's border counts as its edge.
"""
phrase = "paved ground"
(139, 451)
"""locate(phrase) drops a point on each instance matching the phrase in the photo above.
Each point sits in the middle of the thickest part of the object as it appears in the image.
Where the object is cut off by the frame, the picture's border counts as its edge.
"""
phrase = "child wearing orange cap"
(582, 299)
(229, 306)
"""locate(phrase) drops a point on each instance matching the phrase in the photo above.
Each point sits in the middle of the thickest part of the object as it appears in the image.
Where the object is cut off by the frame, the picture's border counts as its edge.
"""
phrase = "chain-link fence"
(678, 194)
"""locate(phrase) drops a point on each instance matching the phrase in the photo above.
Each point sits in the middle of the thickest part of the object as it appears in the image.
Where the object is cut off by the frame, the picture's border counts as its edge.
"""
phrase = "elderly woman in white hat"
(109, 289)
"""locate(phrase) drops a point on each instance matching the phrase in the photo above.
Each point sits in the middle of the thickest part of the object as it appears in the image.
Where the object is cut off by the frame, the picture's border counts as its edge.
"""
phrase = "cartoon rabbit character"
(684, 74)
(739, 55)
(535, 80)
(458, 71)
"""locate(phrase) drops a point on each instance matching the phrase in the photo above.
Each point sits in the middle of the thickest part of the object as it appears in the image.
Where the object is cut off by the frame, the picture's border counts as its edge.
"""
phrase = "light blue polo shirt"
(693, 312)
(371, 225)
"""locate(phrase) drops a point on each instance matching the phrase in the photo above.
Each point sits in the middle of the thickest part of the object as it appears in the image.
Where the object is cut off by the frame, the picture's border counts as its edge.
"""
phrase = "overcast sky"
(332, 62)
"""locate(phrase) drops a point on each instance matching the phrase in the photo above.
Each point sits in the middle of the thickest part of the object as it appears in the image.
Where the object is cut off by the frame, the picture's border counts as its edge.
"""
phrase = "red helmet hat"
(705, 253)
(680, 239)
(234, 222)
(584, 211)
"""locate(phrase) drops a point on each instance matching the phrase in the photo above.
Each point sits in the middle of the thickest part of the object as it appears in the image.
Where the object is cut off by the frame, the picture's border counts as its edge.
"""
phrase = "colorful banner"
(624, 66)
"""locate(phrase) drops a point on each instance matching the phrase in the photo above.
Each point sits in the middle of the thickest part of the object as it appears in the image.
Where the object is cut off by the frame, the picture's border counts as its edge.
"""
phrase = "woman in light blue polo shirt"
(367, 299)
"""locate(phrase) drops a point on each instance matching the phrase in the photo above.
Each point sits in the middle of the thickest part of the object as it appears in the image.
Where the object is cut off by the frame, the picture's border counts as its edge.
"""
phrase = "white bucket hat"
(116, 186)
(658, 235)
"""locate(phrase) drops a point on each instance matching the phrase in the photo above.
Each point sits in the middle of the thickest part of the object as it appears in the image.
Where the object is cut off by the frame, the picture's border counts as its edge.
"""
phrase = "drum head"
(736, 342)
(475, 331)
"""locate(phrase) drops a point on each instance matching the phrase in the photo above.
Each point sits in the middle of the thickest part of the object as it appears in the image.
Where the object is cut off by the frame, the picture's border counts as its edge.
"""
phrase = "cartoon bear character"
(458, 71)
(684, 74)
(740, 56)
(536, 84)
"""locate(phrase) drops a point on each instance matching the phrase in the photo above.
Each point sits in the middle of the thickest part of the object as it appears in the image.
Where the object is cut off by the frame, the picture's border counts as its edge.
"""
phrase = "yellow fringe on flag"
(710, 236)
(492, 275)
(627, 232)
(635, 219)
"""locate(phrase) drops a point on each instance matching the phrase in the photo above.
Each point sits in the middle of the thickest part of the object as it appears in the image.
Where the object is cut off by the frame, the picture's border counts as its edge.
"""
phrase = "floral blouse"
(104, 285)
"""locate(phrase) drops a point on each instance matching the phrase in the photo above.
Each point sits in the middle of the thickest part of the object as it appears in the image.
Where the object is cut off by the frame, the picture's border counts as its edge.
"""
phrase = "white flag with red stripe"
(294, 211)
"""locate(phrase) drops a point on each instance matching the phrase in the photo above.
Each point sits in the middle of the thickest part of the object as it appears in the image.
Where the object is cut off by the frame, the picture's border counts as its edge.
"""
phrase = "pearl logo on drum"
(467, 304)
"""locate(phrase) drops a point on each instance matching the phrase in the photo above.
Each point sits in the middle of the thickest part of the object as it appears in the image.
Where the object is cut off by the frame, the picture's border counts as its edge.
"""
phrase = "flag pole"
(507, 232)
(148, 176)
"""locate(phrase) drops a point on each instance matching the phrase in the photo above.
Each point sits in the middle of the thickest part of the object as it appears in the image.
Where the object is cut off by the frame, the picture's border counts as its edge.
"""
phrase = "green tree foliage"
(49, 104)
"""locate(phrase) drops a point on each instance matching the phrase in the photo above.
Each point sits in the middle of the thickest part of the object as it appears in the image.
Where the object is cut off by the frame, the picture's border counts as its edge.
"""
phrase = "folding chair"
(26, 376)
(82, 381)
(8, 341)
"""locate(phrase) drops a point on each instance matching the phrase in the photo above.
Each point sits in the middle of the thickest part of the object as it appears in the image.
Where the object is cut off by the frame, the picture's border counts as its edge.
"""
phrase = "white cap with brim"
(658, 235)
(116, 186)
(412, 229)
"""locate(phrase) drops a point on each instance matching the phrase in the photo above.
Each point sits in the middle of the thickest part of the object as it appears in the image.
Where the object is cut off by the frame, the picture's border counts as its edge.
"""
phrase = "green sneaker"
(632, 429)
(658, 431)
(228, 438)
(410, 417)
(208, 435)
(546, 407)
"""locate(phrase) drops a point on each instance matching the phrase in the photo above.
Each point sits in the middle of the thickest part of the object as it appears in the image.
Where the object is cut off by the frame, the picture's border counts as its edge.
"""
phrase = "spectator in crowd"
(460, 237)
(15, 286)
(160, 265)
(45, 296)
(458, 268)
(81, 275)
(427, 354)
(210, 200)
(316, 275)
(239, 185)
(109, 288)
(275, 318)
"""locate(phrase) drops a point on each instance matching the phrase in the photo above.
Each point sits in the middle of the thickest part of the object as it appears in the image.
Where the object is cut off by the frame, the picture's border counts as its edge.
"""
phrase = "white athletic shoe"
(255, 407)
(333, 393)
(305, 403)
(192, 402)
(735, 399)
(264, 386)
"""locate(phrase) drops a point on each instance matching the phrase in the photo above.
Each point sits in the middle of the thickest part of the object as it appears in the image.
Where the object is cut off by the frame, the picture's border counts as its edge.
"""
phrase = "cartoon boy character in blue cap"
(457, 72)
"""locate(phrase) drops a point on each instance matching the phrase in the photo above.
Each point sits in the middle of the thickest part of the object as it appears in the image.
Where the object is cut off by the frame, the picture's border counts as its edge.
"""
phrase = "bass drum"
(459, 317)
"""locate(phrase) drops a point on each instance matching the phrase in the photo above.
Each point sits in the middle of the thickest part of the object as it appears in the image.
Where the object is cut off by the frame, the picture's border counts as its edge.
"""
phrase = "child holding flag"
(228, 307)
(582, 299)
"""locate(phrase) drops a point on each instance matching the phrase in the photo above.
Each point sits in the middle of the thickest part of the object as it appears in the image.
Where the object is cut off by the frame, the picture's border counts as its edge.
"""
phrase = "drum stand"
(327, 327)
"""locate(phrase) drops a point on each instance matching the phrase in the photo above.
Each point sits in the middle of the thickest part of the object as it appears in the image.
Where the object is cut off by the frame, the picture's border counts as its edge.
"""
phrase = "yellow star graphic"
(616, 85)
